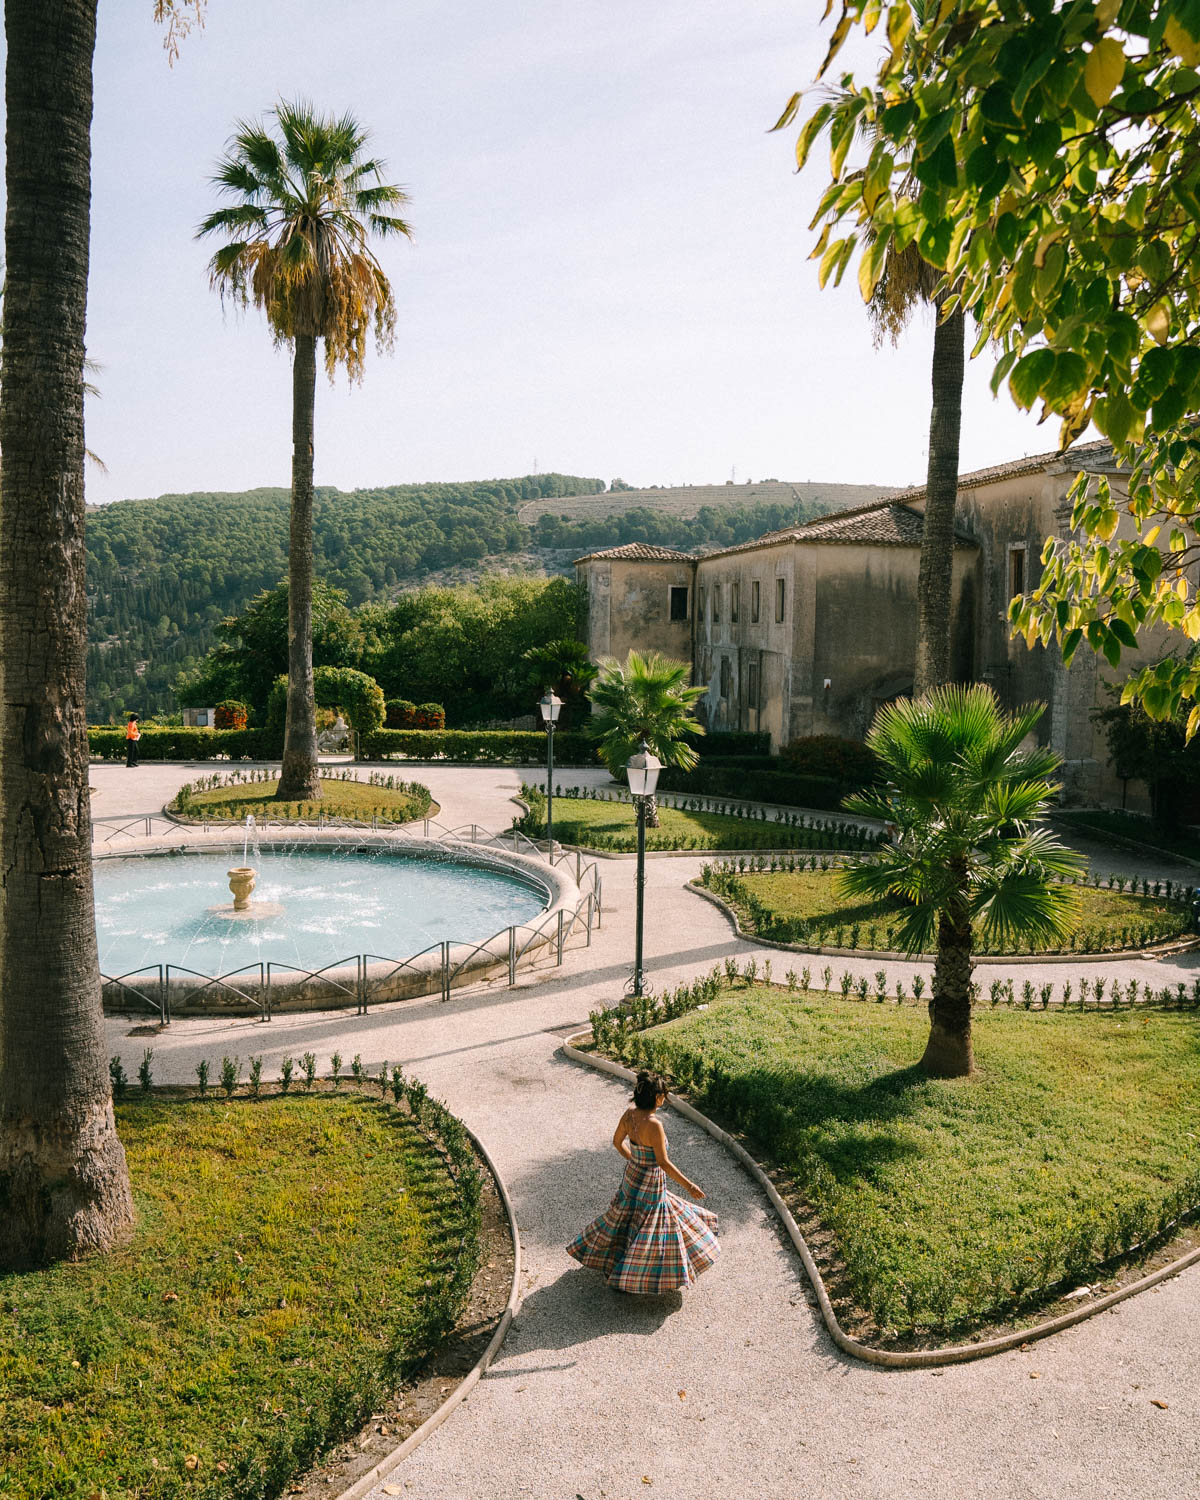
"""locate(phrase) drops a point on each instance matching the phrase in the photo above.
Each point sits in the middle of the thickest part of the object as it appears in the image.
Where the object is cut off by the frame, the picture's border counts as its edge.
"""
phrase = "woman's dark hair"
(647, 1089)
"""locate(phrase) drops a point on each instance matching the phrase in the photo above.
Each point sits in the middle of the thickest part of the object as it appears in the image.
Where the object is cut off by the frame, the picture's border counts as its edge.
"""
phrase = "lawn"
(294, 1256)
(613, 826)
(953, 1204)
(804, 906)
(401, 802)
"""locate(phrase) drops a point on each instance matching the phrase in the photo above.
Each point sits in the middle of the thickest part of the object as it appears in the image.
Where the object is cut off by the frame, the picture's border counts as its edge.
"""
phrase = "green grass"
(1121, 826)
(804, 906)
(278, 1284)
(953, 1203)
(339, 799)
(613, 826)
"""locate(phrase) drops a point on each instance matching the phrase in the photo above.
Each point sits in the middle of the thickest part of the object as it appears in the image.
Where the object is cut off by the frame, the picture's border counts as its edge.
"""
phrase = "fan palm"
(304, 204)
(645, 698)
(963, 799)
(565, 666)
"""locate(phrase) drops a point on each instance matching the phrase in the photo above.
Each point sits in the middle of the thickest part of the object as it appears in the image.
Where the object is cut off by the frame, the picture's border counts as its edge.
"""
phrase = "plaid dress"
(648, 1240)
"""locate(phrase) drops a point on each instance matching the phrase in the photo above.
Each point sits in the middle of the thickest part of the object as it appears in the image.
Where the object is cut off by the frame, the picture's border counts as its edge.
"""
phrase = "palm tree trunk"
(651, 805)
(948, 1051)
(934, 583)
(298, 780)
(64, 1184)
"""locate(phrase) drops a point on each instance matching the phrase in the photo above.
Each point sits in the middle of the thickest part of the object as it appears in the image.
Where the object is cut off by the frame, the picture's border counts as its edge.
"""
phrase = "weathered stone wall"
(629, 607)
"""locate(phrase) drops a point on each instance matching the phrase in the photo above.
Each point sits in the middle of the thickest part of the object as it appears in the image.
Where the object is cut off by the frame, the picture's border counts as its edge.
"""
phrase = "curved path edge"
(1167, 949)
(367, 1482)
(898, 1359)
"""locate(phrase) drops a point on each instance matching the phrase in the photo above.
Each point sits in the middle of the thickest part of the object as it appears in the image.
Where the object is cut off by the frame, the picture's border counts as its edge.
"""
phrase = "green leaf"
(1030, 375)
(812, 128)
(1123, 632)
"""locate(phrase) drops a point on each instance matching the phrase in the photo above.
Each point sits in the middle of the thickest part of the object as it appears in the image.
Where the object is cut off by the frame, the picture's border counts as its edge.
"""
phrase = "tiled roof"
(639, 552)
(881, 525)
(1085, 455)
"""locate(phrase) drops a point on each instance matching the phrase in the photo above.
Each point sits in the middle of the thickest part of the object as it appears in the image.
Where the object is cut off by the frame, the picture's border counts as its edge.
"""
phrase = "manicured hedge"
(755, 785)
(482, 746)
(174, 742)
(401, 714)
(727, 742)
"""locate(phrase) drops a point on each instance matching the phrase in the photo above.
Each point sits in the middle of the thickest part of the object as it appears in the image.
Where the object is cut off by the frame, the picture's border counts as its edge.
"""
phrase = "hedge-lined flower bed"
(952, 1204)
(600, 819)
(797, 902)
(295, 1259)
(230, 797)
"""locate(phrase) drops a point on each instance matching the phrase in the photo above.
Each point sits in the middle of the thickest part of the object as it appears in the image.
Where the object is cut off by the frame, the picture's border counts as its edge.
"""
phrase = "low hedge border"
(1170, 946)
(914, 1359)
(177, 742)
(479, 747)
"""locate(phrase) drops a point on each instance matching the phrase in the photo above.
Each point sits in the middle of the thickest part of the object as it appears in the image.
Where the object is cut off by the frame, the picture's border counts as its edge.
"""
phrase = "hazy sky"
(609, 275)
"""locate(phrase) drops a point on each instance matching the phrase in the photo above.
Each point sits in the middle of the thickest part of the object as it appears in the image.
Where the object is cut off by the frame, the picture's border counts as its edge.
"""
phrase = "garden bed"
(1124, 830)
(229, 798)
(610, 824)
(802, 907)
(938, 1209)
(294, 1259)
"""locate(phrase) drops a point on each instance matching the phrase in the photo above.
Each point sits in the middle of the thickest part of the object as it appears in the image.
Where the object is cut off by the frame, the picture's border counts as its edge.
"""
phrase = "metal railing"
(521, 945)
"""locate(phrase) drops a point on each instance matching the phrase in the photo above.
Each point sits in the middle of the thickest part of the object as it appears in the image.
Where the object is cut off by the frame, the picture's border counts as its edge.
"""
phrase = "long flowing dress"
(648, 1239)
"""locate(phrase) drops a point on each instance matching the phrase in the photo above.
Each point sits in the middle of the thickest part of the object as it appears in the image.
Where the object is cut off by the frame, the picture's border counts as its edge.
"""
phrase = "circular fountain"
(317, 920)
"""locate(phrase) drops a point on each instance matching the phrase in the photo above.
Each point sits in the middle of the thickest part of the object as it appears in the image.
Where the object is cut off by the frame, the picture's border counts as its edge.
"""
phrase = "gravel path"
(735, 1389)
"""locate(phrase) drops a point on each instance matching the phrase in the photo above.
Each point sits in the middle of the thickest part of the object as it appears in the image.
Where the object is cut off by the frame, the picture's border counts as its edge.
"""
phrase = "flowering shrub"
(401, 714)
(230, 715)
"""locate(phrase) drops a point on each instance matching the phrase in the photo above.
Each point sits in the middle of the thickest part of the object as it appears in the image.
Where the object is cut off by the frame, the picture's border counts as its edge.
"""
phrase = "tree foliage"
(1055, 181)
(645, 698)
(962, 799)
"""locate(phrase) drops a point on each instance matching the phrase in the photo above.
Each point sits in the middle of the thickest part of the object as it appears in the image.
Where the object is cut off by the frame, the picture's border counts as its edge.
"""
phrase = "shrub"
(844, 760)
(174, 742)
(230, 714)
(401, 714)
(476, 746)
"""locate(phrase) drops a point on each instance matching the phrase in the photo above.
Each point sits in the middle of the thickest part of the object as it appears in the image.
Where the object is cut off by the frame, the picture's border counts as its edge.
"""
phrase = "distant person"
(648, 1240)
(132, 735)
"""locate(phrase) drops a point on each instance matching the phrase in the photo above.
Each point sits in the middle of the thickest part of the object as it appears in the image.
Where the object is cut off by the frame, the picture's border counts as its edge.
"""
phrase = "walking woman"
(648, 1240)
(132, 735)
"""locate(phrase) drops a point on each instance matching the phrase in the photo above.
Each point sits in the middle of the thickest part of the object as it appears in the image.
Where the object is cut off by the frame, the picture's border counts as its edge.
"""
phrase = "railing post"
(512, 955)
(445, 970)
(561, 915)
(164, 997)
(590, 898)
(264, 1003)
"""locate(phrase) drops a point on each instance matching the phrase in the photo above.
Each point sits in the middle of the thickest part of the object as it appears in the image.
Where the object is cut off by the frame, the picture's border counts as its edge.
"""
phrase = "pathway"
(585, 1398)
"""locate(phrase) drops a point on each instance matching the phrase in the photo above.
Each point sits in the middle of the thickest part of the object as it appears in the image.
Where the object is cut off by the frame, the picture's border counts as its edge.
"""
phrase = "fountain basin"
(332, 918)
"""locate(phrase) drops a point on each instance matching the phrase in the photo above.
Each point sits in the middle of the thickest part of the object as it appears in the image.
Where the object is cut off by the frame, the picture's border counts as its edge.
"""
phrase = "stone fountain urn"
(241, 883)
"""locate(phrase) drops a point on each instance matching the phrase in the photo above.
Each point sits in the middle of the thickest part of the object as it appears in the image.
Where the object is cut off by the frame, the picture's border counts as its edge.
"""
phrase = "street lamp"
(642, 769)
(551, 707)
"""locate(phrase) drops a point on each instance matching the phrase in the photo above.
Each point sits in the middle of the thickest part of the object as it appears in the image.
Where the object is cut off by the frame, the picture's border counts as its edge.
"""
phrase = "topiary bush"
(230, 714)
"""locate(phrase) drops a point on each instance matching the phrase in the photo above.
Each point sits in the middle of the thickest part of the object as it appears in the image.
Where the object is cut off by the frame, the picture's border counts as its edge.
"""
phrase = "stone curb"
(888, 1358)
(1167, 949)
(367, 1482)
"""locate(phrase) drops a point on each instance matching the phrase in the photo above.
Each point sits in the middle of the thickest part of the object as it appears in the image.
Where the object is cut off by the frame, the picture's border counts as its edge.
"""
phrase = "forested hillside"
(163, 572)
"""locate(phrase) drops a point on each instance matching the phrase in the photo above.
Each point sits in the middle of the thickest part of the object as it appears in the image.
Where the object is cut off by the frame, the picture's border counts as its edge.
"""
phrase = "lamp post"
(642, 769)
(551, 707)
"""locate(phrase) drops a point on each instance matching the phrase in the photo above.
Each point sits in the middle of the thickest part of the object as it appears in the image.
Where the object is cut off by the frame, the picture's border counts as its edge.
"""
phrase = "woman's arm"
(619, 1135)
(659, 1138)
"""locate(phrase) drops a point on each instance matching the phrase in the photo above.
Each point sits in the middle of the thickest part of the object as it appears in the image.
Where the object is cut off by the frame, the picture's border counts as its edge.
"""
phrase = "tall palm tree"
(305, 203)
(64, 1184)
(908, 282)
(645, 698)
(964, 800)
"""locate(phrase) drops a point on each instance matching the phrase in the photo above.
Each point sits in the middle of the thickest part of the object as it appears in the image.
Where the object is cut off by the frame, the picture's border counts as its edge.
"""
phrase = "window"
(725, 677)
(1016, 571)
(780, 599)
(679, 603)
(716, 602)
(754, 596)
(752, 687)
(734, 591)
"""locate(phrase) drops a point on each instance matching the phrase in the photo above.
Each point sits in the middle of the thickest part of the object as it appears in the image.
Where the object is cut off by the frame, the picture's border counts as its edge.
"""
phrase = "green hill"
(163, 572)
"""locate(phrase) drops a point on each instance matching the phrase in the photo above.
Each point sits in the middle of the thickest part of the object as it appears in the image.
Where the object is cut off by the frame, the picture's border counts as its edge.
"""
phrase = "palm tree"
(296, 234)
(64, 1184)
(565, 666)
(964, 799)
(646, 698)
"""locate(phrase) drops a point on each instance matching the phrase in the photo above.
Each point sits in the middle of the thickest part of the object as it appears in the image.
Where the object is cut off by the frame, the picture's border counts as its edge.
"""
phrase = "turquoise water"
(335, 903)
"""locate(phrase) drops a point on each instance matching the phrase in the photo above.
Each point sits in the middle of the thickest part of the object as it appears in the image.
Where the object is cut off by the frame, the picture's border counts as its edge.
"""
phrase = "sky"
(609, 274)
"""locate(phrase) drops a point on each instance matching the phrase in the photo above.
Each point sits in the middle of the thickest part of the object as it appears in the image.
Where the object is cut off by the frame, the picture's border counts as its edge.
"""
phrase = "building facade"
(809, 630)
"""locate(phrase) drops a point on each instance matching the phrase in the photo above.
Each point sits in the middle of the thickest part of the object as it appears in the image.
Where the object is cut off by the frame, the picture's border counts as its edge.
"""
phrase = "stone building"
(808, 630)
